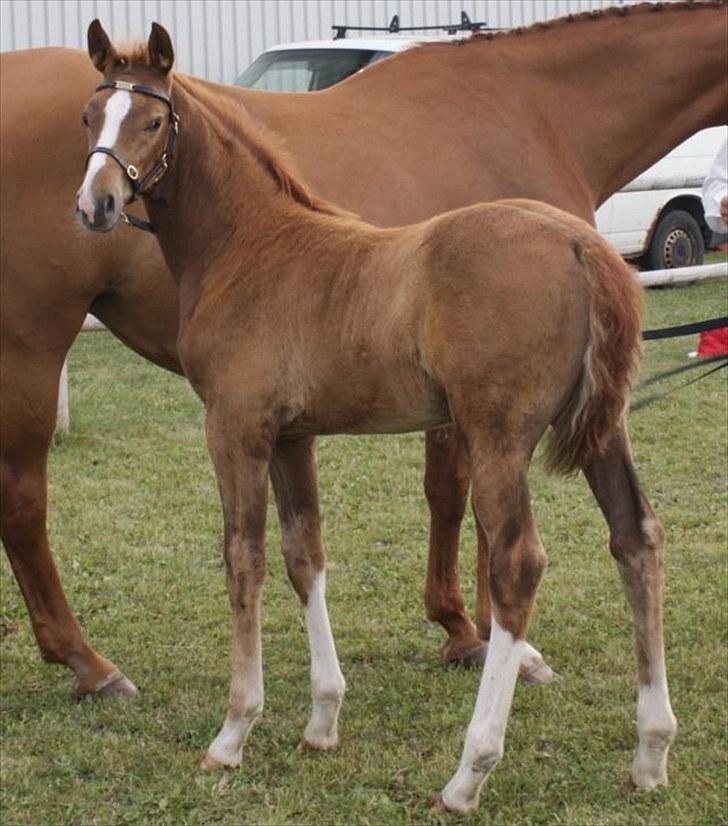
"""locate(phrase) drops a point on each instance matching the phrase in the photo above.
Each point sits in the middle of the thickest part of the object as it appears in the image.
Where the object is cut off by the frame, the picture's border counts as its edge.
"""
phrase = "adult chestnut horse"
(542, 113)
(283, 295)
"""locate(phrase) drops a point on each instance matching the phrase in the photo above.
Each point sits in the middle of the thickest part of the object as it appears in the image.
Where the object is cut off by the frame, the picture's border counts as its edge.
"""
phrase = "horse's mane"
(595, 14)
(238, 124)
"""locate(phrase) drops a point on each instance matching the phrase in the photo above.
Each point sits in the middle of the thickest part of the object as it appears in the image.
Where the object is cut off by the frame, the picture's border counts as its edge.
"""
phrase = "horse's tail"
(588, 420)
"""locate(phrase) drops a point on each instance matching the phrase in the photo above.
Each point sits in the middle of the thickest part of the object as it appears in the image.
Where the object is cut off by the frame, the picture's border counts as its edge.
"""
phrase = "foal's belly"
(353, 408)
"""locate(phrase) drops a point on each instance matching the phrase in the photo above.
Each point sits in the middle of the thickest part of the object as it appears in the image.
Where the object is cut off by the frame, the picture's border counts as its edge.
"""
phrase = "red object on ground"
(713, 343)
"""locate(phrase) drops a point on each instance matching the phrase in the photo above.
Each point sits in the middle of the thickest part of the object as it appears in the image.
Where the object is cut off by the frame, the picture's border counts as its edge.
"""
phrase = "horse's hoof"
(469, 653)
(116, 685)
(210, 764)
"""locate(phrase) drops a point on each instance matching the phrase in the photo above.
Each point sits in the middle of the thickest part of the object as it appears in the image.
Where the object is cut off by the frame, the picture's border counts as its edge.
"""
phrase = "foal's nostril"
(109, 205)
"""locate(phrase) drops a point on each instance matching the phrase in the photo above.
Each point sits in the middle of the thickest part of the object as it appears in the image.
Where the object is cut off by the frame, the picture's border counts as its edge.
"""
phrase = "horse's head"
(131, 125)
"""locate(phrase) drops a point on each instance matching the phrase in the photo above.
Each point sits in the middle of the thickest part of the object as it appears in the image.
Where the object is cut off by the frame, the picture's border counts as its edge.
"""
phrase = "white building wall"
(217, 39)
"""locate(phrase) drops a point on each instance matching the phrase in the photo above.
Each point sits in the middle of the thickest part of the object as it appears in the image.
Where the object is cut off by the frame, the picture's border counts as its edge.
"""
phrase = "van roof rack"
(465, 25)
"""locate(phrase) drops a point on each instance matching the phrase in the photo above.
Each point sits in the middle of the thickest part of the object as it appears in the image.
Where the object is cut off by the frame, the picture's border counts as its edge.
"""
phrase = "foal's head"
(131, 125)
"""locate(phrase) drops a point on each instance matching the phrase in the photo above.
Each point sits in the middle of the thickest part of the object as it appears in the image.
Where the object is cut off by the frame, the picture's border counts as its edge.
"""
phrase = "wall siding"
(217, 39)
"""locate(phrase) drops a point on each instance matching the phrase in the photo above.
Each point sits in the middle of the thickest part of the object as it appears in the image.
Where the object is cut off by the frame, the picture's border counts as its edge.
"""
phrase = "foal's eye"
(153, 125)
(84, 119)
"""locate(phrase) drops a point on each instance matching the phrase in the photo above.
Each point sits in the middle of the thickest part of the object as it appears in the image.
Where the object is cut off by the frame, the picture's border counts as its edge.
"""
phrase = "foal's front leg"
(293, 473)
(240, 456)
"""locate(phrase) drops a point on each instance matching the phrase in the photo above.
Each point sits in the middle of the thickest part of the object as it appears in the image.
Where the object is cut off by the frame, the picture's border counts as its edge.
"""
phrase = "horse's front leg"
(293, 473)
(241, 457)
(635, 540)
(447, 481)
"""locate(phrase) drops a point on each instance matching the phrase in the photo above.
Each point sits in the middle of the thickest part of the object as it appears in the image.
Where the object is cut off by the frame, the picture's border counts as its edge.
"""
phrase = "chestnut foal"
(298, 319)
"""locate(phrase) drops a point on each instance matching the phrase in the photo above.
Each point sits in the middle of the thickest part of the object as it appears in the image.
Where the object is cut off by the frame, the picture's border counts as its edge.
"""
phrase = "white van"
(657, 218)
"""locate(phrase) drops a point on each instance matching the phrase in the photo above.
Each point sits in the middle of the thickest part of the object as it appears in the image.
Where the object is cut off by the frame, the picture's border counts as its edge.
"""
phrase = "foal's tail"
(585, 425)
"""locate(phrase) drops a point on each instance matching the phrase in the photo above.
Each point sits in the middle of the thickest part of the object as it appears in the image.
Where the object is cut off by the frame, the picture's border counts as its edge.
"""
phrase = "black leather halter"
(139, 187)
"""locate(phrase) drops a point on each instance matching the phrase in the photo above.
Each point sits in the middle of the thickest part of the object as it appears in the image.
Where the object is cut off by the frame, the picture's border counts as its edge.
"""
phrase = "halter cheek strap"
(155, 174)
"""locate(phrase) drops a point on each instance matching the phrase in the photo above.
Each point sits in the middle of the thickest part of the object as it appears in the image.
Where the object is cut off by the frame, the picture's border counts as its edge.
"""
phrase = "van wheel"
(676, 242)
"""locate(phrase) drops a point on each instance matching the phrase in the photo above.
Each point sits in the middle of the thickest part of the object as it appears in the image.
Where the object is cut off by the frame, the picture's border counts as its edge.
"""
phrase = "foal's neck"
(215, 197)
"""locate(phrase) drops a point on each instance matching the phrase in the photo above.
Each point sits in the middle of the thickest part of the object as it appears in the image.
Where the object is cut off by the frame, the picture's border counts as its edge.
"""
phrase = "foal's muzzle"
(98, 213)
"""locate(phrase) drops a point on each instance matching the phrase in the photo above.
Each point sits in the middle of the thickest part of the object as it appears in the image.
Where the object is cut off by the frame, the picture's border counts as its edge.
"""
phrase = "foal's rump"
(531, 308)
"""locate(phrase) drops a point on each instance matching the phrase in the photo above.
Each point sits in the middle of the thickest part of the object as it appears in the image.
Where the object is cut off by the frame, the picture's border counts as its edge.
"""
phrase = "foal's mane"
(238, 124)
(595, 14)
(263, 145)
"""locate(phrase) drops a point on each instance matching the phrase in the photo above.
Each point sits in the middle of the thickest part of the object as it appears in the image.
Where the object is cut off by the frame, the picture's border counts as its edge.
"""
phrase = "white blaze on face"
(116, 109)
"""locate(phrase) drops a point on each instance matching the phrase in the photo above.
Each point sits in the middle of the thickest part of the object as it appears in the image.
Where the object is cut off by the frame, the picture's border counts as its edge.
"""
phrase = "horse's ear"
(100, 48)
(161, 53)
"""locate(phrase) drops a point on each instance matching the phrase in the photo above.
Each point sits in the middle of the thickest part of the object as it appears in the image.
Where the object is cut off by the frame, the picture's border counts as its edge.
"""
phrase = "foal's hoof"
(438, 806)
(468, 652)
(326, 745)
(210, 764)
(536, 672)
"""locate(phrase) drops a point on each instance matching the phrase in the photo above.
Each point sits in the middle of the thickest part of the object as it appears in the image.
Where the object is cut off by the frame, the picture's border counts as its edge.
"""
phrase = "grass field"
(135, 525)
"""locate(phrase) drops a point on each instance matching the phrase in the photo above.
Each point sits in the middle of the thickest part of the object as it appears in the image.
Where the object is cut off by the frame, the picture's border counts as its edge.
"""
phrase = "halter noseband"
(155, 174)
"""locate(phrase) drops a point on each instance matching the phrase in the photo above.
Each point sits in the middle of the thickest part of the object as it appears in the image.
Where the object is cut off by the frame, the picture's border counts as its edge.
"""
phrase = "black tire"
(676, 242)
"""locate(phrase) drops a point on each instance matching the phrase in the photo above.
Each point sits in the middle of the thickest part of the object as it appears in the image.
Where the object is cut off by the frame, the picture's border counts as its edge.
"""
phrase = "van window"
(304, 70)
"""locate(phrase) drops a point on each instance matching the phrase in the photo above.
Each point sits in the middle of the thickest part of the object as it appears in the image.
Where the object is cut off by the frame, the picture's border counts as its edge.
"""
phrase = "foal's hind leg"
(293, 473)
(636, 539)
(447, 479)
(533, 668)
(517, 560)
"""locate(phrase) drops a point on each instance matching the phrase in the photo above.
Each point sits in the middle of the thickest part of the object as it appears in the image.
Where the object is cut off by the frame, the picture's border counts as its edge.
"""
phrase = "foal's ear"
(100, 48)
(161, 53)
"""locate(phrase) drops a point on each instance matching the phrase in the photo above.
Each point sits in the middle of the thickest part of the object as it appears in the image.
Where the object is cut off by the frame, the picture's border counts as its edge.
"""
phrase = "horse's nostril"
(109, 205)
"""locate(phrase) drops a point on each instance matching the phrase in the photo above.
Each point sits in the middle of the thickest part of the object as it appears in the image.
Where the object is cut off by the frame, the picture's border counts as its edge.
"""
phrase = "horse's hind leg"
(293, 473)
(636, 540)
(27, 414)
(502, 504)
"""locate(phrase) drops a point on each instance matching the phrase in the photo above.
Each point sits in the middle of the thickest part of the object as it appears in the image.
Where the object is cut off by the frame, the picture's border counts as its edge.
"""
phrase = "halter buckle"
(132, 172)
(124, 85)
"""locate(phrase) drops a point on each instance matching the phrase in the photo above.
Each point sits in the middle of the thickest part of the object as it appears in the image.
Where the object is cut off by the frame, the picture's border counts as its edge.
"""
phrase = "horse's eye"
(84, 119)
(154, 125)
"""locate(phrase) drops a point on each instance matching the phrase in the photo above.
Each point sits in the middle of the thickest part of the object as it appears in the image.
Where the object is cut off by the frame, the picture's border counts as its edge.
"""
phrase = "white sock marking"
(656, 727)
(327, 681)
(486, 732)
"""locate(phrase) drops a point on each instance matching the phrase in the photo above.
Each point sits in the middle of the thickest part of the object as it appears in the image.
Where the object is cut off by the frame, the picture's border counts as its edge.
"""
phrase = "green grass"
(135, 526)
